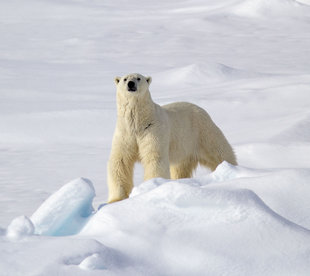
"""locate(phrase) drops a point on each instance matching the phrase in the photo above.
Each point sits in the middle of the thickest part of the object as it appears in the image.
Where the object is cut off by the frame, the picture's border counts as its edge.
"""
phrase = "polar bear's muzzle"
(132, 86)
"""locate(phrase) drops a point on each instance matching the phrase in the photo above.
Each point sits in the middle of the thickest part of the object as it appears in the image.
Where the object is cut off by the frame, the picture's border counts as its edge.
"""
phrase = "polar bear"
(168, 140)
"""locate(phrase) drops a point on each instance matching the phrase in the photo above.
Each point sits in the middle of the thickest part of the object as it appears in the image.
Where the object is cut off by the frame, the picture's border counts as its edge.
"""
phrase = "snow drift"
(219, 220)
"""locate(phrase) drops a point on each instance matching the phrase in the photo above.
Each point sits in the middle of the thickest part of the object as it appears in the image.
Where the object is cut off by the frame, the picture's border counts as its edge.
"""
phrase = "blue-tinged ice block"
(66, 211)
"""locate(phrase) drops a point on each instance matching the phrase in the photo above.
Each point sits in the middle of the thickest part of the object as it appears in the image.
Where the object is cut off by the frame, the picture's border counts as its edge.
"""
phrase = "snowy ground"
(245, 61)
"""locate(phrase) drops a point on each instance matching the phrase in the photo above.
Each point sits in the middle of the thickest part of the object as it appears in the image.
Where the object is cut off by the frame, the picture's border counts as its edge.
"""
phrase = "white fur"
(168, 140)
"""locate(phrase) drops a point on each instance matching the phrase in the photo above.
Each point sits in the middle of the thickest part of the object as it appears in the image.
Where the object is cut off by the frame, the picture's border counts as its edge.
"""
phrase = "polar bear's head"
(133, 83)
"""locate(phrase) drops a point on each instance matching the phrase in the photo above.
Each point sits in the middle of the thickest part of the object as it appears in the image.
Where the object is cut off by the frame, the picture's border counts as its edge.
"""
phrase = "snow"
(19, 227)
(215, 223)
(267, 7)
(246, 62)
(92, 262)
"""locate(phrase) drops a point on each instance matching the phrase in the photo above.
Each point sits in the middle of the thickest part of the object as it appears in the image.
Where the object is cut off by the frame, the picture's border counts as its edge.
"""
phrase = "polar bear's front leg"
(154, 156)
(120, 173)
(156, 167)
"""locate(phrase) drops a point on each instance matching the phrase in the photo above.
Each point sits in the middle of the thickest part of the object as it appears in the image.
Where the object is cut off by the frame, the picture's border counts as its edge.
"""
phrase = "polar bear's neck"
(136, 112)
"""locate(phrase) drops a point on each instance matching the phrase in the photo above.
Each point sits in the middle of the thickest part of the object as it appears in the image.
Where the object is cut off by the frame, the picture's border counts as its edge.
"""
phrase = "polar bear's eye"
(125, 79)
(138, 79)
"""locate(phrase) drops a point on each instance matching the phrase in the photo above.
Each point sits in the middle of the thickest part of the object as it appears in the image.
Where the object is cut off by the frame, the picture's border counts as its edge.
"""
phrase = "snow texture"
(246, 62)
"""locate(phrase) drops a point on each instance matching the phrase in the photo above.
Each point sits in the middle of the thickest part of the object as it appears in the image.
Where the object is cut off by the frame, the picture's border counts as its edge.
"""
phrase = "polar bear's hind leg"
(184, 169)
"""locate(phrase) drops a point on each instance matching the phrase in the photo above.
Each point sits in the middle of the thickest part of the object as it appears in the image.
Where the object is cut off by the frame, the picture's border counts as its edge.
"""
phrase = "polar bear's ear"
(117, 80)
(149, 80)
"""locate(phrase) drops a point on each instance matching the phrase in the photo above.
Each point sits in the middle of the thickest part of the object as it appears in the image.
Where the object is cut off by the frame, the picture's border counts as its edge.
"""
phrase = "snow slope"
(246, 62)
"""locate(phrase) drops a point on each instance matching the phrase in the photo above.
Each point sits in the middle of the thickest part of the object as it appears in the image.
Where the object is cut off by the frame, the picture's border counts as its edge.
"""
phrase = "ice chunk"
(19, 227)
(66, 211)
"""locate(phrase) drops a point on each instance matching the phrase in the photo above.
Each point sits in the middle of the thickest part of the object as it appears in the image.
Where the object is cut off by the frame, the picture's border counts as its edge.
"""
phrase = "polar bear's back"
(186, 123)
(194, 133)
(188, 116)
(185, 108)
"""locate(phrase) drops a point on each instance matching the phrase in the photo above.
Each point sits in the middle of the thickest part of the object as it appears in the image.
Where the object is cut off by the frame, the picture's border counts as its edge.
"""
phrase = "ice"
(65, 211)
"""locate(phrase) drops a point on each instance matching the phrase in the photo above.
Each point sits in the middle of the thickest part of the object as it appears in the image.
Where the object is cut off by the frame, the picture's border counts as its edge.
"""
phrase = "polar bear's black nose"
(131, 86)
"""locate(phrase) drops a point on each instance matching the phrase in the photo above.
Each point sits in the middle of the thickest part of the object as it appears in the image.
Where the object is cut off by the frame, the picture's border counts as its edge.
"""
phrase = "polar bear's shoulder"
(182, 106)
(177, 105)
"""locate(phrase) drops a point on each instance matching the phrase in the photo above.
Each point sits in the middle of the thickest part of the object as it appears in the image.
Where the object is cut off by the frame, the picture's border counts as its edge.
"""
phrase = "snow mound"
(255, 8)
(206, 218)
(204, 202)
(65, 211)
(20, 227)
(220, 220)
(197, 73)
(94, 261)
